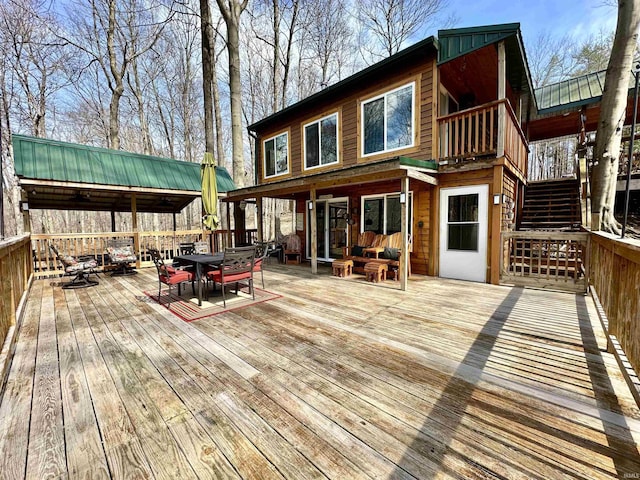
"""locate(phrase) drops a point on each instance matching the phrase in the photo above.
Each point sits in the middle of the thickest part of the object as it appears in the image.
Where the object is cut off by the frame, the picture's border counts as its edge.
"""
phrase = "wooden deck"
(337, 379)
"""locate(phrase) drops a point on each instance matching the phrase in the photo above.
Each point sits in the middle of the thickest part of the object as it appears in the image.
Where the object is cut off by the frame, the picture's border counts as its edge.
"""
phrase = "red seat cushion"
(216, 276)
(178, 276)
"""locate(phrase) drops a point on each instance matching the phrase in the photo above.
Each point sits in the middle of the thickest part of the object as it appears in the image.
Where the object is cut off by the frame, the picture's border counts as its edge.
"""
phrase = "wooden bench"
(342, 268)
(375, 271)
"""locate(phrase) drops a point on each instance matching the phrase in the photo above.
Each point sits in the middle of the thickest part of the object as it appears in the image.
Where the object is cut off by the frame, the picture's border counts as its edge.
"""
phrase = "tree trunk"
(612, 116)
(117, 88)
(231, 14)
(207, 73)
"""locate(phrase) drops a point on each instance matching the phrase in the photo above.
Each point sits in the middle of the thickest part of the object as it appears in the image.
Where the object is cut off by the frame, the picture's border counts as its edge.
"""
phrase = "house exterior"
(428, 142)
(431, 142)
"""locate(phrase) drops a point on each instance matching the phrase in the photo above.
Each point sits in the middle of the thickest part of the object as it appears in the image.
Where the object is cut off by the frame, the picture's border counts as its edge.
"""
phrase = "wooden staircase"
(551, 205)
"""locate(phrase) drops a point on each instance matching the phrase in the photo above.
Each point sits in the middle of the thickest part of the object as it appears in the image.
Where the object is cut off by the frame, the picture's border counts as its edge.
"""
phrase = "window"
(387, 121)
(276, 155)
(382, 213)
(462, 220)
(321, 142)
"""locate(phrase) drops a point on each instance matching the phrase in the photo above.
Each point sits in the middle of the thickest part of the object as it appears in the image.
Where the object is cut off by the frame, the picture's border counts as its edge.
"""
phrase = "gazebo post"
(113, 221)
(229, 224)
(259, 218)
(134, 225)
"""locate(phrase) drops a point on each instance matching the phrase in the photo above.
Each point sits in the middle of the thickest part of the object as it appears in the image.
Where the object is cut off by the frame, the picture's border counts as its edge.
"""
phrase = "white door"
(463, 232)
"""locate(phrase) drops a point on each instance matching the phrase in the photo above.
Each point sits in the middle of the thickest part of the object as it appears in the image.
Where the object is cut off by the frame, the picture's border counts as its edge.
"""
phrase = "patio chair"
(121, 256)
(292, 249)
(80, 268)
(187, 248)
(169, 275)
(201, 247)
(263, 251)
(237, 266)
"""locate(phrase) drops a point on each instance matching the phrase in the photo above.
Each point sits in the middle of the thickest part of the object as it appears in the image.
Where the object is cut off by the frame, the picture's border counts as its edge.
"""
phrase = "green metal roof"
(460, 41)
(44, 159)
(414, 162)
(571, 93)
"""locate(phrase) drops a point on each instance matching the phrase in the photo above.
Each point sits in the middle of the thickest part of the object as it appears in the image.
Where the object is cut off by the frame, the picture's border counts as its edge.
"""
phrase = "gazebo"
(58, 175)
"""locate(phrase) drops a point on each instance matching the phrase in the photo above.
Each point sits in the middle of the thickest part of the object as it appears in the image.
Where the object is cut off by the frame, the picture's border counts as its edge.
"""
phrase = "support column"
(495, 244)
(134, 227)
(313, 234)
(228, 224)
(26, 218)
(404, 231)
(502, 94)
(259, 219)
(239, 224)
(113, 221)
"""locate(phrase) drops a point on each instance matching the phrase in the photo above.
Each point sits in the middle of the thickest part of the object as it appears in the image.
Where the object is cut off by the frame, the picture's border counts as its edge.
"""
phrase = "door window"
(463, 225)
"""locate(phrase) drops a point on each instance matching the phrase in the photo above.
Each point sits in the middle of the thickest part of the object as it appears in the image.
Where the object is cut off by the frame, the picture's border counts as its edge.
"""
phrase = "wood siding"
(348, 107)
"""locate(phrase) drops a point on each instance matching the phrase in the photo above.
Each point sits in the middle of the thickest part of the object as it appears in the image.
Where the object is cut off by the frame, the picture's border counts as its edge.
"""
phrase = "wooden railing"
(469, 133)
(555, 260)
(95, 245)
(615, 277)
(15, 270)
(473, 133)
(516, 147)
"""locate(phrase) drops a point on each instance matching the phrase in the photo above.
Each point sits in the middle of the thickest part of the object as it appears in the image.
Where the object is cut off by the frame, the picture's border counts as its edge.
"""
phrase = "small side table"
(375, 272)
(342, 268)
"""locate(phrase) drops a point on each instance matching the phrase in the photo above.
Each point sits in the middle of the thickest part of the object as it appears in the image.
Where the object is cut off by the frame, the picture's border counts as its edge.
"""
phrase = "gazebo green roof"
(49, 163)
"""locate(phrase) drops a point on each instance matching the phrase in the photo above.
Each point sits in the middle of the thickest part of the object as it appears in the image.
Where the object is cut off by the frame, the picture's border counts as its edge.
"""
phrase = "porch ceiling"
(50, 195)
(395, 168)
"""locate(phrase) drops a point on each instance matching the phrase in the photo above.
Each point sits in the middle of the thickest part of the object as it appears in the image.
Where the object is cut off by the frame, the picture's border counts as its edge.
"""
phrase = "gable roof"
(456, 42)
(61, 175)
(40, 158)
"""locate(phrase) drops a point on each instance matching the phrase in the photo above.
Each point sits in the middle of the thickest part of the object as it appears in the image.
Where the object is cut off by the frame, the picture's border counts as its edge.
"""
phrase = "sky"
(578, 18)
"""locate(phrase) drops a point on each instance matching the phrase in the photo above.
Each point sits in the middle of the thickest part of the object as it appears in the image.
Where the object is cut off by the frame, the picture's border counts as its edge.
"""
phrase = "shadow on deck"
(338, 378)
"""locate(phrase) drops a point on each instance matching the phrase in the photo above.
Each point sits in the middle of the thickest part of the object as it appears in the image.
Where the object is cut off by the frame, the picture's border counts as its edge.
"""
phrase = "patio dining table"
(200, 262)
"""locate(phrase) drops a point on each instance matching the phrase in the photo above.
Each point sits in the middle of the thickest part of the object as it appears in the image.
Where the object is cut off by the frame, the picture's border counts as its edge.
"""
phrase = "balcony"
(484, 132)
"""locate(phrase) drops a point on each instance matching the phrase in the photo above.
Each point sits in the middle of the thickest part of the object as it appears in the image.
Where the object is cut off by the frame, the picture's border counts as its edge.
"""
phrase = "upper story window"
(388, 120)
(321, 142)
(276, 155)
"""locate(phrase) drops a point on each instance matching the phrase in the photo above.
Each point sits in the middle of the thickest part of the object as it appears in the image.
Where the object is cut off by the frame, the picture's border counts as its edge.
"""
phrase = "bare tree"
(231, 12)
(112, 36)
(593, 54)
(550, 59)
(388, 24)
(36, 60)
(612, 116)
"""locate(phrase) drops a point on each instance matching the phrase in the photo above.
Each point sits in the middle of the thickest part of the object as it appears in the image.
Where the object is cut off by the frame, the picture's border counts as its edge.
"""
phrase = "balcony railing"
(477, 132)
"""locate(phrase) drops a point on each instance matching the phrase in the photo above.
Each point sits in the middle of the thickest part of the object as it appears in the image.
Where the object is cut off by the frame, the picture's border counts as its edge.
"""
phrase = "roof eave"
(413, 50)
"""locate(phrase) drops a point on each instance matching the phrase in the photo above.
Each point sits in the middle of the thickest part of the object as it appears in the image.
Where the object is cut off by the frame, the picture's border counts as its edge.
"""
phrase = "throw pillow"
(391, 253)
(356, 250)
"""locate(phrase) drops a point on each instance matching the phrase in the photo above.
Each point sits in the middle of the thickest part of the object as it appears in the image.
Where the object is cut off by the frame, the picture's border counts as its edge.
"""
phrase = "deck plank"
(85, 455)
(165, 457)
(122, 448)
(46, 458)
(336, 379)
(15, 409)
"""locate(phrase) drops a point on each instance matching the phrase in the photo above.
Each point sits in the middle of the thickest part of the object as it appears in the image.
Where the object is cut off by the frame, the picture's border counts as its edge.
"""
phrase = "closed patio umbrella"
(209, 192)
